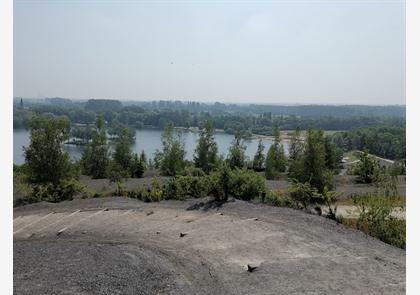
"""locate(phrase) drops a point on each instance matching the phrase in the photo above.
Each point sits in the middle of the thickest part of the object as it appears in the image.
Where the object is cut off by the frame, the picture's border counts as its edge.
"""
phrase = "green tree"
(315, 169)
(219, 182)
(95, 157)
(171, 160)
(122, 155)
(138, 166)
(143, 156)
(45, 160)
(259, 158)
(206, 152)
(276, 161)
(236, 156)
(296, 150)
(367, 169)
(333, 154)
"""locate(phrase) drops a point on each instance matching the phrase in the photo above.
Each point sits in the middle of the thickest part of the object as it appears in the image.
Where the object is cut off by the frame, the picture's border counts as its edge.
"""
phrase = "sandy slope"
(123, 246)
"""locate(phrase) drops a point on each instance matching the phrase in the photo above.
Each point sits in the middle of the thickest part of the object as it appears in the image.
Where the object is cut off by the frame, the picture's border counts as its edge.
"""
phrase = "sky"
(301, 51)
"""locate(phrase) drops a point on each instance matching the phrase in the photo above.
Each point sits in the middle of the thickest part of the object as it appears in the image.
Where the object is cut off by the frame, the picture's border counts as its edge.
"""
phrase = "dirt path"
(123, 246)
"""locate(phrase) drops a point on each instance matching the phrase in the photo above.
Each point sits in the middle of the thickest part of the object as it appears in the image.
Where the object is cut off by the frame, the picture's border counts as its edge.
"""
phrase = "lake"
(147, 140)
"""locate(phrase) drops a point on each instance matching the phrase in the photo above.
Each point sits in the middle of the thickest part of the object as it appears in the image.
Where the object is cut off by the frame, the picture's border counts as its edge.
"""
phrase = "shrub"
(193, 171)
(278, 198)
(397, 168)
(182, 187)
(218, 183)
(21, 189)
(303, 194)
(367, 169)
(199, 187)
(178, 188)
(245, 184)
(137, 166)
(376, 220)
(148, 193)
(64, 190)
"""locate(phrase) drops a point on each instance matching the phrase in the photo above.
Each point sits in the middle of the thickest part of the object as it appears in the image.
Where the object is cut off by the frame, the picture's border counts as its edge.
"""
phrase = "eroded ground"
(124, 246)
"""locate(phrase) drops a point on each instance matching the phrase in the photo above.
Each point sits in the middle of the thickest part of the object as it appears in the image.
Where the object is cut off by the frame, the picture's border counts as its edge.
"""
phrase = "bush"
(303, 194)
(183, 187)
(193, 171)
(278, 198)
(397, 168)
(178, 188)
(64, 190)
(148, 193)
(137, 166)
(376, 220)
(218, 183)
(21, 189)
(87, 194)
(367, 169)
(245, 184)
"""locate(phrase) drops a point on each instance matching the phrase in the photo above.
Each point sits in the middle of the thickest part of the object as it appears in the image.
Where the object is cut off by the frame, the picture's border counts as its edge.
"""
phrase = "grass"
(395, 231)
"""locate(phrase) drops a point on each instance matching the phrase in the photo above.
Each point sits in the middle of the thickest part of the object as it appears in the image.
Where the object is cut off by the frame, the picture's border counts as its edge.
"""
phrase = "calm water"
(147, 140)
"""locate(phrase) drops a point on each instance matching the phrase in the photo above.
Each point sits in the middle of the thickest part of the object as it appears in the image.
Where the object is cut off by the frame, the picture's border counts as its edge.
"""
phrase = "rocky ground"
(124, 246)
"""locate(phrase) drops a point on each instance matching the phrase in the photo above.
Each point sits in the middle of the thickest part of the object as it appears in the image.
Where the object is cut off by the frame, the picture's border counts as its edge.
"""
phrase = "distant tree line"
(250, 119)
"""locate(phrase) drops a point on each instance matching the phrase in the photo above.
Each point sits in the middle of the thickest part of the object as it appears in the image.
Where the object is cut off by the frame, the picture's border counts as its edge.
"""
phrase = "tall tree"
(122, 155)
(259, 158)
(138, 166)
(315, 168)
(276, 161)
(171, 160)
(236, 156)
(95, 157)
(206, 151)
(367, 169)
(296, 149)
(46, 161)
(333, 154)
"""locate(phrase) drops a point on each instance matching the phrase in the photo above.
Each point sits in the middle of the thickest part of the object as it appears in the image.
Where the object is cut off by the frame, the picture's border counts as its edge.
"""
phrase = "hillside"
(123, 246)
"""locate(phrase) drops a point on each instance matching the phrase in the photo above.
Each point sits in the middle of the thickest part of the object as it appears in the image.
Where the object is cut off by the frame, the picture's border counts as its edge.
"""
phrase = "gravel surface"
(124, 246)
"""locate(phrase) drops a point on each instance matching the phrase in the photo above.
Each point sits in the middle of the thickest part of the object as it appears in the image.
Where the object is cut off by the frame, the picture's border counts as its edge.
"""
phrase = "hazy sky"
(343, 51)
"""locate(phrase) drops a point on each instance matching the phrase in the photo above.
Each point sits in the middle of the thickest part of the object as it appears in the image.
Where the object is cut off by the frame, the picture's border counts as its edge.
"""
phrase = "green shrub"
(367, 169)
(21, 189)
(199, 187)
(178, 188)
(86, 194)
(64, 190)
(278, 198)
(193, 171)
(245, 184)
(218, 183)
(397, 168)
(376, 220)
(183, 187)
(303, 194)
(154, 192)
